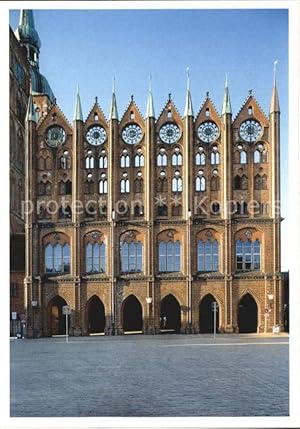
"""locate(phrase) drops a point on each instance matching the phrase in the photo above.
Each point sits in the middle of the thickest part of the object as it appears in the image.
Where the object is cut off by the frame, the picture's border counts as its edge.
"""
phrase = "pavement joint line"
(222, 344)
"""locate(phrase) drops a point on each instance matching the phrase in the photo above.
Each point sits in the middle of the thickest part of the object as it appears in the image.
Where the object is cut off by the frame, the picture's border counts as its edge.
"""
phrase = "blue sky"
(88, 47)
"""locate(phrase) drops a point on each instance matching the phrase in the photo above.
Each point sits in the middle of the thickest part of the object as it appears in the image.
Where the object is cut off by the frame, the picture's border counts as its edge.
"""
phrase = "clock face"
(132, 134)
(208, 132)
(96, 135)
(169, 133)
(250, 130)
(55, 136)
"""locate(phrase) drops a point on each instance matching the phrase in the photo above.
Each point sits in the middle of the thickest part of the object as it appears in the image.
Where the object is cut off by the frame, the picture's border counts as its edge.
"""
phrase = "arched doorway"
(170, 314)
(57, 318)
(206, 315)
(132, 315)
(96, 315)
(247, 314)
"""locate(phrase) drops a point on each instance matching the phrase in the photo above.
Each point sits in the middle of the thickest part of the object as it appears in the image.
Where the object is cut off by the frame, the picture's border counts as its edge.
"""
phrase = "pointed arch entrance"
(57, 318)
(95, 315)
(170, 314)
(132, 314)
(247, 314)
(206, 315)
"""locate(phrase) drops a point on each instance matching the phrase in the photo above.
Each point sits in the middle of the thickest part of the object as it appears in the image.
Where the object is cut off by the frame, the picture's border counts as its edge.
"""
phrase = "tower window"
(250, 110)
(247, 255)
(169, 256)
(95, 258)
(131, 115)
(131, 257)
(208, 255)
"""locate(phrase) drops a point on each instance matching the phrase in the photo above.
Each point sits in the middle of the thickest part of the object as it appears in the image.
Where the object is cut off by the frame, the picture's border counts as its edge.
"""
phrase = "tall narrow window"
(215, 158)
(131, 257)
(57, 258)
(103, 186)
(200, 184)
(65, 161)
(162, 184)
(169, 256)
(243, 157)
(89, 162)
(95, 257)
(176, 159)
(102, 161)
(208, 255)
(125, 161)
(177, 184)
(139, 185)
(200, 158)
(125, 186)
(247, 255)
(162, 160)
(139, 160)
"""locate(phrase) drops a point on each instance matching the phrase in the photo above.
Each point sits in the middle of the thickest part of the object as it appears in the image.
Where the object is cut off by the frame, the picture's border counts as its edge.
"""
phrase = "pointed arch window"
(200, 184)
(125, 161)
(215, 183)
(139, 185)
(57, 258)
(162, 160)
(103, 186)
(65, 161)
(208, 255)
(103, 161)
(177, 184)
(139, 160)
(169, 256)
(131, 256)
(200, 158)
(243, 157)
(247, 255)
(162, 184)
(65, 187)
(125, 186)
(89, 162)
(176, 159)
(215, 157)
(95, 258)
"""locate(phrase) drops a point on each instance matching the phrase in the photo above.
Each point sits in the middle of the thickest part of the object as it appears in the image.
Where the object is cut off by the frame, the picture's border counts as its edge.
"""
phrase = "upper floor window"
(247, 255)
(162, 160)
(200, 184)
(208, 255)
(131, 257)
(162, 184)
(260, 154)
(177, 184)
(103, 161)
(215, 157)
(89, 161)
(65, 187)
(169, 256)
(103, 186)
(176, 159)
(65, 161)
(125, 186)
(95, 257)
(139, 160)
(200, 158)
(243, 157)
(57, 258)
(125, 161)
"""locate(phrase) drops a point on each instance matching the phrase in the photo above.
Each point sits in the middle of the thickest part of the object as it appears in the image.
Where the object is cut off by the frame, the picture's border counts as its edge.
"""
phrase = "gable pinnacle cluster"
(139, 225)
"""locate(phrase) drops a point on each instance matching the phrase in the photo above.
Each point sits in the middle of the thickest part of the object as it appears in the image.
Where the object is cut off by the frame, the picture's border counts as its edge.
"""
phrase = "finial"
(274, 71)
(54, 101)
(226, 81)
(250, 91)
(150, 82)
(169, 96)
(113, 84)
(188, 78)
(96, 100)
(207, 94)
(131, 97)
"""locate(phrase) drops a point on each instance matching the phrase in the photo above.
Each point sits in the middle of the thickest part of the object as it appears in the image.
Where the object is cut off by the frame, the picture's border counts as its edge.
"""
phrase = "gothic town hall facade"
(139, 224)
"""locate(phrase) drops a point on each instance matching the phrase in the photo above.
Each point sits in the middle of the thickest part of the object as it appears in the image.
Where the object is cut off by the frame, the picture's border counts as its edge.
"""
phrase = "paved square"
(163, 375)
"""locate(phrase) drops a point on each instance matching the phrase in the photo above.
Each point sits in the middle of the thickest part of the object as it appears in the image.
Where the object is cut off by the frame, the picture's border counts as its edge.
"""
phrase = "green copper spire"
(226, 109)
(113, 114)
(274, 105)
(26, 32)
(150, 104)
(188, 111)
(30, 113)
(78, 110)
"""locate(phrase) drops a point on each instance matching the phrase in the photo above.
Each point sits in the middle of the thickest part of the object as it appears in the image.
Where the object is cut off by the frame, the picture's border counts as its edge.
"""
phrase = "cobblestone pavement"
(163, 375)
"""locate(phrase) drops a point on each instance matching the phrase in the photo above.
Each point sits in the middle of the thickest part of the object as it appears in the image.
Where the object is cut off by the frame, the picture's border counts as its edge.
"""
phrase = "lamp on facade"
(149, 300)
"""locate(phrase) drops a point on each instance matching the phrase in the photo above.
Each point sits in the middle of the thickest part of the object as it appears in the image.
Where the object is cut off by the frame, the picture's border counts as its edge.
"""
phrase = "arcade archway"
(57, 318)
(206, 315)
(170, 314)
(247, 314)
(132, 315)
(96, 315)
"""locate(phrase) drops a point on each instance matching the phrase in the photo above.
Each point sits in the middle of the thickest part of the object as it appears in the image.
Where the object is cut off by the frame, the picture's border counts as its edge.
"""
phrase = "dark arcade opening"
(206, 315)
(132, 315)
(58, 319)
(247, 314)
(96, 316)
(170, 314)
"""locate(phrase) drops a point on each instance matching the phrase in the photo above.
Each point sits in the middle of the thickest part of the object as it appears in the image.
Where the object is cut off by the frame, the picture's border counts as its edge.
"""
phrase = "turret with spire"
(188, 111)
(226, 109)
(78, 110)
(113, 114)
(274, 105)
(150, 104)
